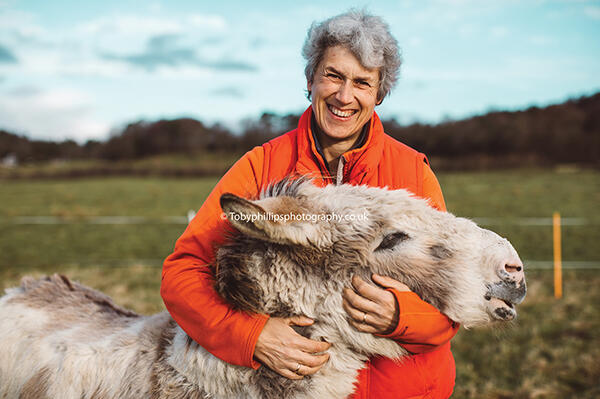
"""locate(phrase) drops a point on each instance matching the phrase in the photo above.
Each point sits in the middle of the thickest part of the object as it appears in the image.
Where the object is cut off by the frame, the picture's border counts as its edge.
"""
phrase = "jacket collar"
(359, 163)
(317, 132)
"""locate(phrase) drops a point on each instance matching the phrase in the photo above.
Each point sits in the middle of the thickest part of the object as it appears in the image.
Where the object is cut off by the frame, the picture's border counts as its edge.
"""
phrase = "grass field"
(193, 164)
(551, 351)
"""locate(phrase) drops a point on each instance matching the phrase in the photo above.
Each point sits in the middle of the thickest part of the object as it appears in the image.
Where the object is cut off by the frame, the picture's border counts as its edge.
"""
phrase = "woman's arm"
(187, 286)
(188, 291)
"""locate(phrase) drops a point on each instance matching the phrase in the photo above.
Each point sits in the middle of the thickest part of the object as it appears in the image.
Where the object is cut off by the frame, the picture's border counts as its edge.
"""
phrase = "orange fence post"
(557, 256)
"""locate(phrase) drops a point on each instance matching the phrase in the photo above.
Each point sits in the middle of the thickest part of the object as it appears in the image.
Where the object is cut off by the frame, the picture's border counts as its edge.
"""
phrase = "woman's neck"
(332, 149)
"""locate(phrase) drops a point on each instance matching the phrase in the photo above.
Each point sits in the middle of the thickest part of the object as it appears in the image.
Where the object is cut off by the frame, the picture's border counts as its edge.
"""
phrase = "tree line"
(562, 133)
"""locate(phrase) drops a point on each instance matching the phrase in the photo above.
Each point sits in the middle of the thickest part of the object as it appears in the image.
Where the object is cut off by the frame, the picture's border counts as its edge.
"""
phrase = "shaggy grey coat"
(59, 339)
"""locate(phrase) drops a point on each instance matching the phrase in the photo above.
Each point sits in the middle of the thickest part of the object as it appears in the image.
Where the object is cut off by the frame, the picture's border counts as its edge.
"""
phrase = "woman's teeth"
(339, 112)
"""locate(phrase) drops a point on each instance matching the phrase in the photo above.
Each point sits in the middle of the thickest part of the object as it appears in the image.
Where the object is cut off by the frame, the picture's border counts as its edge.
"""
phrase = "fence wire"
(184, 220)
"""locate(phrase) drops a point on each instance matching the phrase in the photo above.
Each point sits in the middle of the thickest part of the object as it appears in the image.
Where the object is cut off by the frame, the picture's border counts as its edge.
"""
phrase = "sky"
(84, 69)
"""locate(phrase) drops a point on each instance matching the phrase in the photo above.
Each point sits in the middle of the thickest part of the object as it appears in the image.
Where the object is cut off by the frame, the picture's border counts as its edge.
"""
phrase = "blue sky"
(73, 69)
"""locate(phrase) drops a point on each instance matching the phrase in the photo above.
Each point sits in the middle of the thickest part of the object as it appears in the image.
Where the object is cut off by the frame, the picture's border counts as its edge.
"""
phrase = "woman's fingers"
(364, 321)
(357, 301)
(372, 309)
(389, 282)
(311, 360)
(364, 327)
(303, 343)
(368, 291)
(304, 370)
(311, 346)
(299, 321)
(288, 373)
(281, 349)
(306, 365)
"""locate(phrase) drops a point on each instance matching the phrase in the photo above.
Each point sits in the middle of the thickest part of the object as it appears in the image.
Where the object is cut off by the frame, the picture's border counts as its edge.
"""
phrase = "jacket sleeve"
(187, 286)
(421, 327)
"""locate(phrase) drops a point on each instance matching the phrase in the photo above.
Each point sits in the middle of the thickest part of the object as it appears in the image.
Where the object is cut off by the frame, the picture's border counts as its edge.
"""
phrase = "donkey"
(292, 252)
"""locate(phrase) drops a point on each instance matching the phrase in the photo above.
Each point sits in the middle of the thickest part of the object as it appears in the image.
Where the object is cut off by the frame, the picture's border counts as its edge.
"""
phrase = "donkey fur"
(60, 339)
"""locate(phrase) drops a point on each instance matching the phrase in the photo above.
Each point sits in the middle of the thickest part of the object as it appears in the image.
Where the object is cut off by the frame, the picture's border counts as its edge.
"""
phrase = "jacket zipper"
(339, 177)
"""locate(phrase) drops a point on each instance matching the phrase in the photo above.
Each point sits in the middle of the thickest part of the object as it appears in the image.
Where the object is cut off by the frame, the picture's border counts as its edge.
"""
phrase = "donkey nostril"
(512, 269)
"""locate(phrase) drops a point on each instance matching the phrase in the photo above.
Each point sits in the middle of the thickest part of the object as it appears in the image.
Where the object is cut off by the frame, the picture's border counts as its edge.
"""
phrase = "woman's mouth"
(340, 113)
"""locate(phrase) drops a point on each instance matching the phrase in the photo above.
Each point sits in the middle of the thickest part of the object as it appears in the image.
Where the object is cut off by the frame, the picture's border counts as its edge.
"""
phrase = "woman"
(352, 64)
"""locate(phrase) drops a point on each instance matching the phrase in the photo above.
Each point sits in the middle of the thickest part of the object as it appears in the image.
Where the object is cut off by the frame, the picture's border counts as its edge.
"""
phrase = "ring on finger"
(364, 320)
(297, 368)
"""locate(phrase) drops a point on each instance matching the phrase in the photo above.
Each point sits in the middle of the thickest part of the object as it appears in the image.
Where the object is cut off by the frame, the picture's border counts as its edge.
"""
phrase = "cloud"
(160, 51)
(110, 45)
(499, 32)
(228, 91)
(592, 12)
(128, 26)
(51, 114)
(164, 51)
(23, 91)
(230, 65)
(257, 43)
(163, 41)
(21, 28)
(212, 40)
(541, 40)
(7, 56)
(131, 27)
(210, 22)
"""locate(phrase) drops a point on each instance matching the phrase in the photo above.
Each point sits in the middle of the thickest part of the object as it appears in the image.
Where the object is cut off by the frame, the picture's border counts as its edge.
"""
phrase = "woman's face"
(343, 92)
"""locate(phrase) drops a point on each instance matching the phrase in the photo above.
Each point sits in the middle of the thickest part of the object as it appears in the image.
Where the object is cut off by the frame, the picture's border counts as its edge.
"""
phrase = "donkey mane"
(289, 186)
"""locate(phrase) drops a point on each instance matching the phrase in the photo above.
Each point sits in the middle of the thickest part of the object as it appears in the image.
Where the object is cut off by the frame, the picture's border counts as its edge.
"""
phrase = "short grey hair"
(367, 36)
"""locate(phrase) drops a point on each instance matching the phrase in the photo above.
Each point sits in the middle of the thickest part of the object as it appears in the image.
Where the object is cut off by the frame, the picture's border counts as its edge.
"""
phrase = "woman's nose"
(344, 94)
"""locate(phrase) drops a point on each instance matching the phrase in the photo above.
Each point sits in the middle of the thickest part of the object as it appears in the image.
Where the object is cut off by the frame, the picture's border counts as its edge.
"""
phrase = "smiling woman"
(344, 94)
(352, 64)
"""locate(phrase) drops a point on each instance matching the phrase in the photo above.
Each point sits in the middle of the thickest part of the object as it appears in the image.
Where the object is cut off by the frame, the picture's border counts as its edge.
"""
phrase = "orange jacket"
(187, 282)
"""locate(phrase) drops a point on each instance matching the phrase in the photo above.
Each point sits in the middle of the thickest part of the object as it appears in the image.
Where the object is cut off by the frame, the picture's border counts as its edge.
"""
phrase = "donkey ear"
(244, 215)
(276, 219)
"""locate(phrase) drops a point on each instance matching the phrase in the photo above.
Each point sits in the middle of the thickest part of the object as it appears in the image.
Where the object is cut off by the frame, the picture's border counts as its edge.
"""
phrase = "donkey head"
(300, 243)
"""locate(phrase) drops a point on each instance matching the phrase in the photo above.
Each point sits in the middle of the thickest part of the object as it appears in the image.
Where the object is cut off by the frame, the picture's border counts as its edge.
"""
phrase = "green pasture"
(192, 164)
(551, 351)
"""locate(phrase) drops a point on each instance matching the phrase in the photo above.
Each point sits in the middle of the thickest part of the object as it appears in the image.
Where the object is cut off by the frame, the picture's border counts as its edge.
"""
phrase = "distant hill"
(562, 133)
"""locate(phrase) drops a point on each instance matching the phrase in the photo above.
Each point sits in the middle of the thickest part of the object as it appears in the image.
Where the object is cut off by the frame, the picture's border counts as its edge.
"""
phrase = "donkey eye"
(391, 240)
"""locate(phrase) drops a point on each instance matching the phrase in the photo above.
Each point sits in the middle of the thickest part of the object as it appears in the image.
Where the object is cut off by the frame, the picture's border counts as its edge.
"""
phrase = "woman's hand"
(288, 353)
(373, 309)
